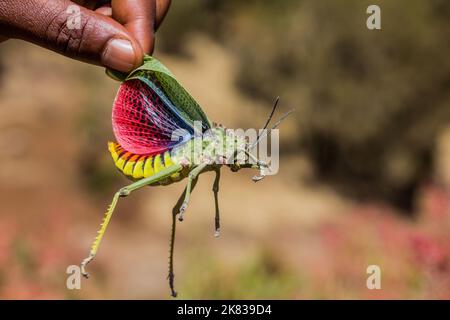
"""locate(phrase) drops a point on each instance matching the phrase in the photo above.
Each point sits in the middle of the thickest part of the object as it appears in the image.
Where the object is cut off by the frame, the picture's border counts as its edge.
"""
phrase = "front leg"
(191, 177)
(259, 164)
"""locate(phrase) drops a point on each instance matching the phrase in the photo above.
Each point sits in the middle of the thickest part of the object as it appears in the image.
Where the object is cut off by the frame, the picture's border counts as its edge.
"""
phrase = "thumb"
(71, 30)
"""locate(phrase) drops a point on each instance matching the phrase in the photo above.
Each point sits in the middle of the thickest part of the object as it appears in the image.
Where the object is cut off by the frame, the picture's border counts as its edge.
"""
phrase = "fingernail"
(119, 55)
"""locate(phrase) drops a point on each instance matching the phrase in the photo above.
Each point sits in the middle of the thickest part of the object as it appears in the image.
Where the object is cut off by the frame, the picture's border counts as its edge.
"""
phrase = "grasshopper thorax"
(217, 146)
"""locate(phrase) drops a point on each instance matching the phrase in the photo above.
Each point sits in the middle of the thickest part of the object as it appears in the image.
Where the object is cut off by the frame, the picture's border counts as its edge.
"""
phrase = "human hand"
(115, 34)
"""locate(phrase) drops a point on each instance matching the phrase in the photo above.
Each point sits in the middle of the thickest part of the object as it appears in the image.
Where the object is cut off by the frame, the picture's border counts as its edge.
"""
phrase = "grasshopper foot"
(83, 265)
(258, 177)
(171, 277)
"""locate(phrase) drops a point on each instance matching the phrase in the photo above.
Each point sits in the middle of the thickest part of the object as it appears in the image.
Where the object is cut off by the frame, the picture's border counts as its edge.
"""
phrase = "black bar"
(230, 309)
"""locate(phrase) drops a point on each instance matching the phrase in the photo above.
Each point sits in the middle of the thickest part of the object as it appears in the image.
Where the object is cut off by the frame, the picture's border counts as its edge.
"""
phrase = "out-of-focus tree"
(369, 103)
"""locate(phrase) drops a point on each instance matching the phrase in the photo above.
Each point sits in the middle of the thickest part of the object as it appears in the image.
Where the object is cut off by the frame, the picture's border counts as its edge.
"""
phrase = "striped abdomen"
(137, 166)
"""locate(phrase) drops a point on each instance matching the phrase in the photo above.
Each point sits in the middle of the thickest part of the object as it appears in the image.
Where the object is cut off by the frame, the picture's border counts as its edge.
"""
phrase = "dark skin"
(114, 34)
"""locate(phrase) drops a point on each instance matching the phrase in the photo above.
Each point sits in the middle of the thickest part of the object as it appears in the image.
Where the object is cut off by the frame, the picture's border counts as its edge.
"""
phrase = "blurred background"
(364, 171)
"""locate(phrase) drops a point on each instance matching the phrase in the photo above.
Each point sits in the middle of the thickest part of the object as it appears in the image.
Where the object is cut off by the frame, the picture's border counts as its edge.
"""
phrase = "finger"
(138, 17)
(162, 6)
(105, 10)
(73, 31)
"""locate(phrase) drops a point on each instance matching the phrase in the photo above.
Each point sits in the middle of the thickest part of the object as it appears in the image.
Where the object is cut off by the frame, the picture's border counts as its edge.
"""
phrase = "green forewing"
(181, 99)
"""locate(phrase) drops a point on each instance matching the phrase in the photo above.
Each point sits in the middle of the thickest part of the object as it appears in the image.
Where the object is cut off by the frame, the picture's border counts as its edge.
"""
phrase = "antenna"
(264, 133)
(272, 112)
(267, 122)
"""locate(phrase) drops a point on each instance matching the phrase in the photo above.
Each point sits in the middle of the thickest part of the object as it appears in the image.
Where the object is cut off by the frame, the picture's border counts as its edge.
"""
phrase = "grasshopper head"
(242, 157)
(234, 151)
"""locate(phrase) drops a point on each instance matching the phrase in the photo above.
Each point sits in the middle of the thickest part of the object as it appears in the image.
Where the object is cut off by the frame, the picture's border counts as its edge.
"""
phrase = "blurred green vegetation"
(260, 276)
(369, 103)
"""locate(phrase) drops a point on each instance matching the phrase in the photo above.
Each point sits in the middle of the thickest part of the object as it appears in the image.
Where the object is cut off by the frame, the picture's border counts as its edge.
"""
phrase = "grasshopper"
(150, 106)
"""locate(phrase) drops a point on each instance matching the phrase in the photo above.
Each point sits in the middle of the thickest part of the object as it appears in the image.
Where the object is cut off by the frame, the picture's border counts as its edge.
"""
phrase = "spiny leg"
(192, 176)
(175, 211)
(123, 192)
(100, 234)
(216, 202)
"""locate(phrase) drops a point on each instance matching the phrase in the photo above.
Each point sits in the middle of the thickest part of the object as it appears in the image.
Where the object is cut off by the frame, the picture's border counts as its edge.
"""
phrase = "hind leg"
(123, 192)
(175, 211)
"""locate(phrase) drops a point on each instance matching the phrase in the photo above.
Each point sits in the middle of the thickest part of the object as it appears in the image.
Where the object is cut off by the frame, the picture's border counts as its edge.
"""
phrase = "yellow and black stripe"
(140, 166)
